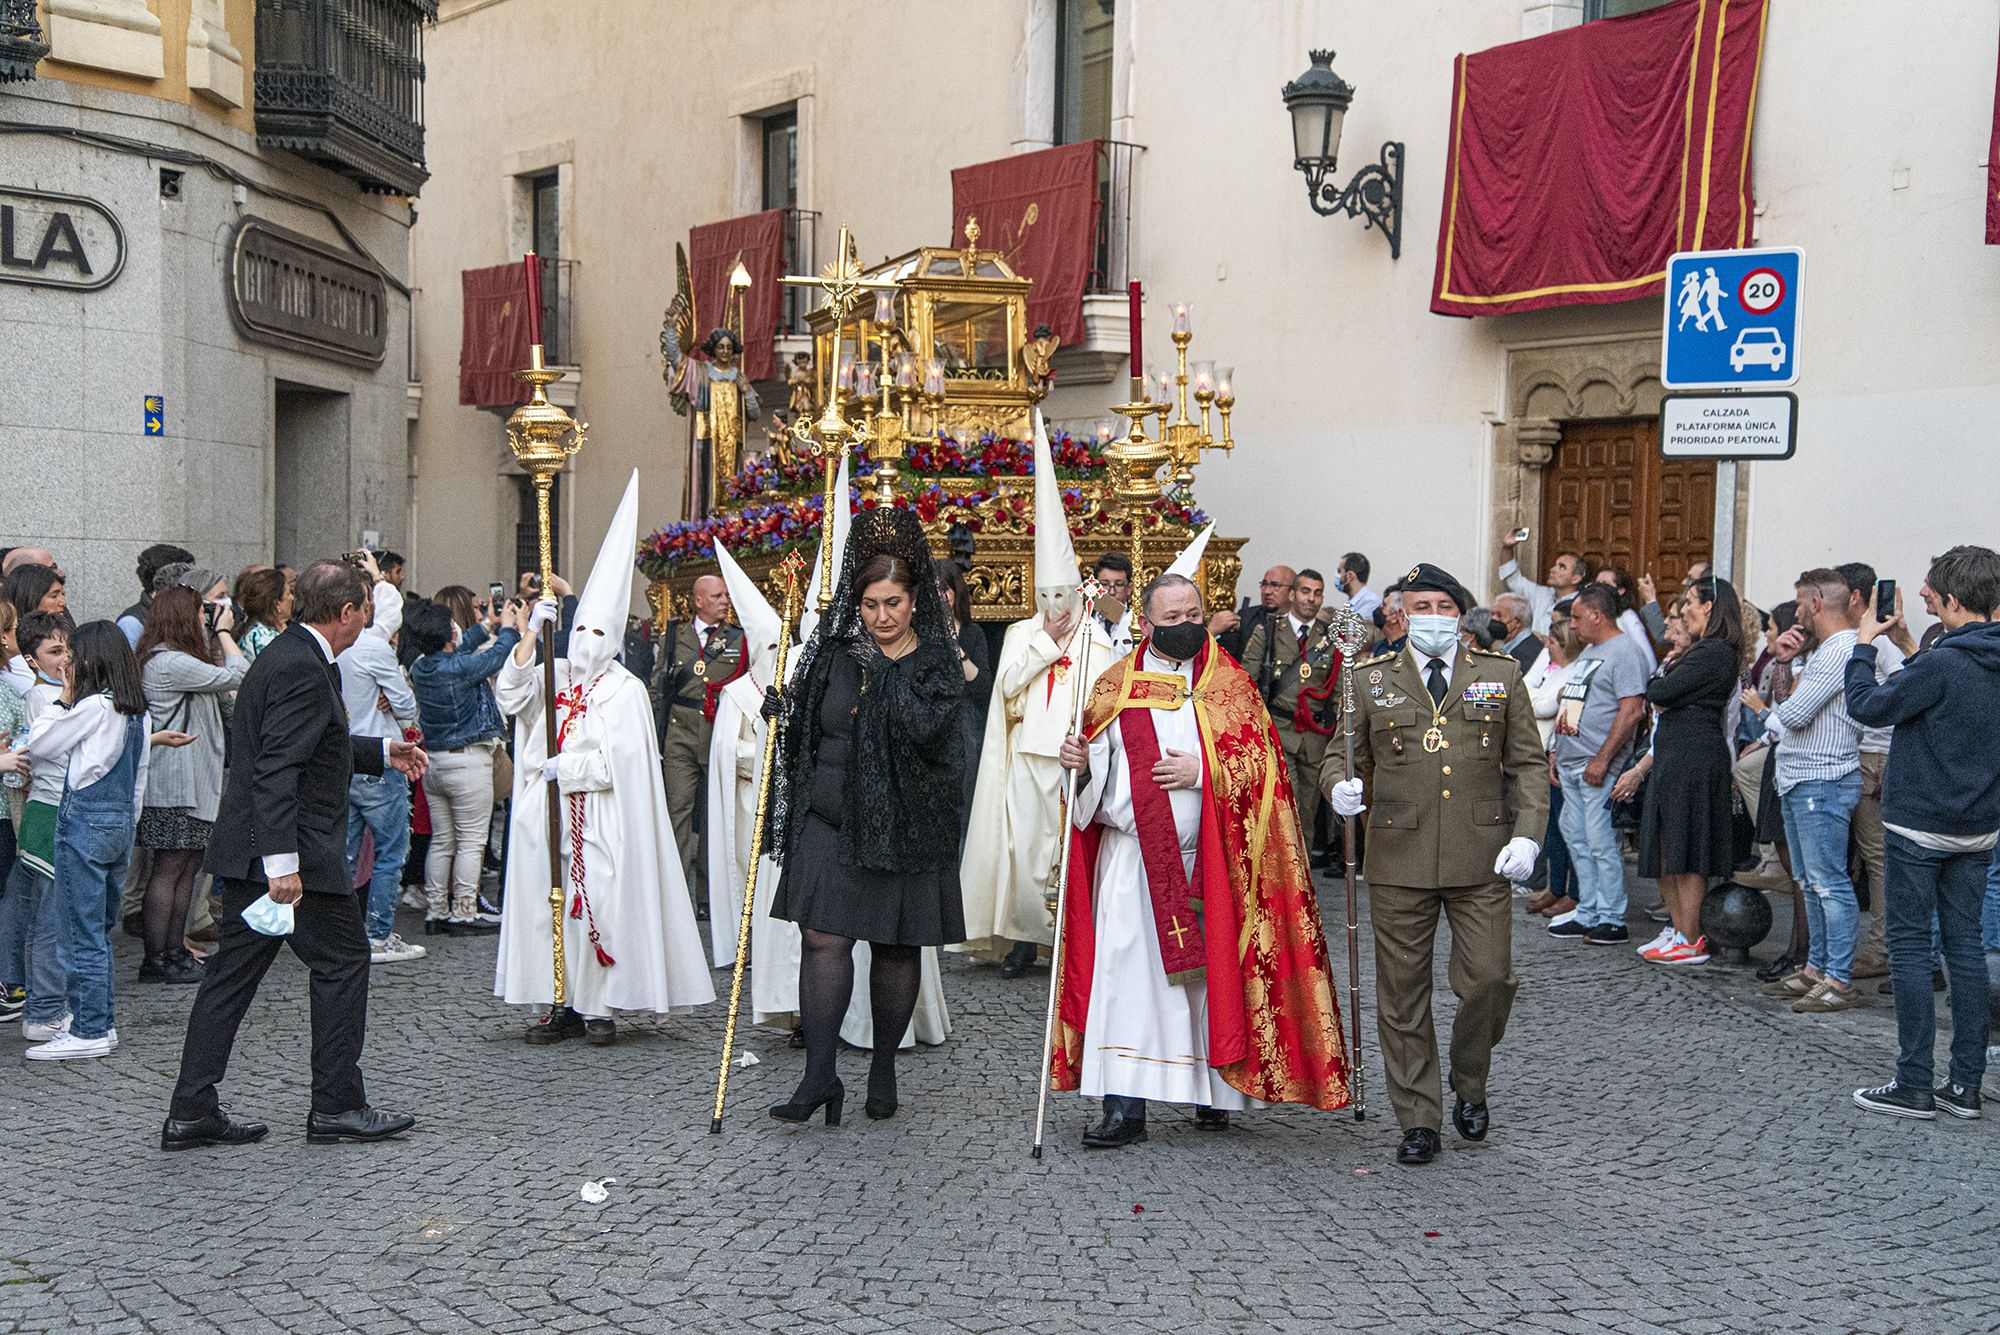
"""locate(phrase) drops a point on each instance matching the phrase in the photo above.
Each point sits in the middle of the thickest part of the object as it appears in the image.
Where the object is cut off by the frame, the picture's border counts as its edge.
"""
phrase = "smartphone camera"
(1521, 533)
(1885, 599)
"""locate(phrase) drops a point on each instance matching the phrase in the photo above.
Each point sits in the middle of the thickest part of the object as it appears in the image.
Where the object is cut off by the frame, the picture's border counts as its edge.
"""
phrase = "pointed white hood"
(598, 631)
(1055, 553)
(1188, 563)
(843, 518)
(762, 625)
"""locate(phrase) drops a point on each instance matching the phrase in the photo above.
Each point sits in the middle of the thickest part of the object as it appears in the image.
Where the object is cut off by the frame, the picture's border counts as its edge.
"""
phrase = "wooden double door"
(1612, 497)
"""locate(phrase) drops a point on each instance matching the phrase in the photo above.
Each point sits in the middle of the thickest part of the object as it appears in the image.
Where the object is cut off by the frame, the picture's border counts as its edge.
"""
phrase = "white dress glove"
(545, 612)
(1346, 798)
(1517, 860)
(549, 769)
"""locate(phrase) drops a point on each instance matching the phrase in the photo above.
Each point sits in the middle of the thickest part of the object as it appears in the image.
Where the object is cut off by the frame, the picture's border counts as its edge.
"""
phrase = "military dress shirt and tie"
(695, 659)
(1284, 656)
(1456, 768)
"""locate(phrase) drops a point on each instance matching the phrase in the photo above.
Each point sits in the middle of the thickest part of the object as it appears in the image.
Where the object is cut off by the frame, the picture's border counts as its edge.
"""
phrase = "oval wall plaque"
(49, 240)
(293, 292)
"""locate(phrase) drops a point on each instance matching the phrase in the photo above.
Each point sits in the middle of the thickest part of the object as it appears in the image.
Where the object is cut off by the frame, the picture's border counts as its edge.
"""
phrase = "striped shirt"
(1819, 740)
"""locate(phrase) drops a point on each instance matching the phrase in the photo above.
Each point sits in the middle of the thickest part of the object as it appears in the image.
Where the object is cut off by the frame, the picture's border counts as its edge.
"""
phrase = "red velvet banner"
(1581, 160)
(1993, 171)
(713, 249)
(493, 338)
(1039, 210)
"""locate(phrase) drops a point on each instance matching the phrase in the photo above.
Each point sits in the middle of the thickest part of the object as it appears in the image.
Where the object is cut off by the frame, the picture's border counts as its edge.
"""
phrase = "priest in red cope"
(1194, 968)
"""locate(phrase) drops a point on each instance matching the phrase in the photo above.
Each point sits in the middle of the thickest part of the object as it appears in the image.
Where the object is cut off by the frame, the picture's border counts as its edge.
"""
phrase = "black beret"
(1424, 576)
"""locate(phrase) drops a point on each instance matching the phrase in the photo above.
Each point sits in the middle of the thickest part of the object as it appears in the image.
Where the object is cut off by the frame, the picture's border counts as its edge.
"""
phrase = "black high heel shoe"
(801, 1110)
(881, 1104)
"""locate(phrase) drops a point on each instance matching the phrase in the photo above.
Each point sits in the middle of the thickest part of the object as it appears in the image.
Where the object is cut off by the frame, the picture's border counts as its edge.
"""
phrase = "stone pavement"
(1671, 1152)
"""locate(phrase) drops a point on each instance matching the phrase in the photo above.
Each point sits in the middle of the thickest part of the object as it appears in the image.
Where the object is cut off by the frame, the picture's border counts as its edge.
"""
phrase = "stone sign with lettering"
(66, 241)
(294, 292)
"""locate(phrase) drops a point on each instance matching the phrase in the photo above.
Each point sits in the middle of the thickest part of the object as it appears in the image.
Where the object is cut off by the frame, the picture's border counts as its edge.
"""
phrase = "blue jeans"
(1990, 918)
(1593, 847)
(31, 928)
(1818, 815)
(381, 803)
(92, 851)
(1562, 871)
(1927, 886)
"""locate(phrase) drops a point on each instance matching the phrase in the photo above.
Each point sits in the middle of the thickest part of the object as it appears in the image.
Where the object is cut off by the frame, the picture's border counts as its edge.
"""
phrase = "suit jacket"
(1273, 661)
(1439, 818)
(290, 758)
(1237, 641)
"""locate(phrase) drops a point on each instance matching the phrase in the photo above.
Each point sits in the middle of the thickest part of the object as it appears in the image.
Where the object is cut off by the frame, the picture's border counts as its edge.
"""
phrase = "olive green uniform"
(1450, 786)
(681, 676)
(1281, 669)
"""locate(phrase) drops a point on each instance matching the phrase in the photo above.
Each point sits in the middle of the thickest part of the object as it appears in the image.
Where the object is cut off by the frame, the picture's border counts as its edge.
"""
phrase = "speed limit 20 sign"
(1732, 319)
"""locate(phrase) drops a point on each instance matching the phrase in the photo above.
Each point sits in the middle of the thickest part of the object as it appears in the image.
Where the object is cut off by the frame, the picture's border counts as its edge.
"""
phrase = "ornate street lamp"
(1318, 102)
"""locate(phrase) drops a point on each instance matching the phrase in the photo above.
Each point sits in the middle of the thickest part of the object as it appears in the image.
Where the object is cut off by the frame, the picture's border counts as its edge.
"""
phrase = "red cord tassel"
(603, 957)
(576, 906)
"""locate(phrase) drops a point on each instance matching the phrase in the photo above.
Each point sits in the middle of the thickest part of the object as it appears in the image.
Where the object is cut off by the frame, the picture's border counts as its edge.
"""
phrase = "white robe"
(1144, 1037)
(735, 762)
(1013, 837)
(632, 869)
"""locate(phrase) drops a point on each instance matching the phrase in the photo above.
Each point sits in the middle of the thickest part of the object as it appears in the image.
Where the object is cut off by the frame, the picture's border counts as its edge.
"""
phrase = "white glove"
(544, 614)
(1346, 798)
(549, 769)
(1517, 860)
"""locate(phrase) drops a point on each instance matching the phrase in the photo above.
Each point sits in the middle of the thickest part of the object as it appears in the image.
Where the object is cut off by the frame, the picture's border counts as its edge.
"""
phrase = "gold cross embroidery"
(1178, 932)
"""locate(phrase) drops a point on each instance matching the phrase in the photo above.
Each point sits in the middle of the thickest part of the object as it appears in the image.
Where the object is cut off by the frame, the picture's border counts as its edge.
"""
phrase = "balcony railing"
(1111, 259)
(801, 257)
(21, 44)
(558, 311)
(342, 82)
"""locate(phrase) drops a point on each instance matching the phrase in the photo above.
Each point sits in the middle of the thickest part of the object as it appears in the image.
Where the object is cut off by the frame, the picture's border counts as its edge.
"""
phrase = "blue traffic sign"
(1732, 319)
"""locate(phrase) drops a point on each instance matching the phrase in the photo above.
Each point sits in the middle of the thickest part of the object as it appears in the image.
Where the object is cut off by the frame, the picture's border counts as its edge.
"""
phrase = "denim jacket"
(454, 701)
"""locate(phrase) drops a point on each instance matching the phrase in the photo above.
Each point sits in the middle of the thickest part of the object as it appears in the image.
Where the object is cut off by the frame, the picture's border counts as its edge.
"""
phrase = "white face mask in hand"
(1434, 635)
(268, 916)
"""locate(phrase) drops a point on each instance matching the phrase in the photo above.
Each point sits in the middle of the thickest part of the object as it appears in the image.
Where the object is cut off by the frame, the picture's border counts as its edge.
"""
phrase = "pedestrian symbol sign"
(1732, 319)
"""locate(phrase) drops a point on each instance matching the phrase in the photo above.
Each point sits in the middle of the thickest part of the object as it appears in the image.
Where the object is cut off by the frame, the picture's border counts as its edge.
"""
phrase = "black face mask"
(1180, 641)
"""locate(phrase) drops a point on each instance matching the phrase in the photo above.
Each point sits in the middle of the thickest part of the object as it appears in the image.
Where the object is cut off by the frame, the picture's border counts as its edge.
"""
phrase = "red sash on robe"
(1273, 1024)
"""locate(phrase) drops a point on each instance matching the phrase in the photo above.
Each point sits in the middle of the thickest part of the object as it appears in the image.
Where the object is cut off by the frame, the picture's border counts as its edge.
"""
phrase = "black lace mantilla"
(905, 783)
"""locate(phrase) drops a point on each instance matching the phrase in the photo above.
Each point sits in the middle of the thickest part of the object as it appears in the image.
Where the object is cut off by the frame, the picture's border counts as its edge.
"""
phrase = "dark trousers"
(1922, 882)
(329, 939)
(1562, 872)
(1123, 1105)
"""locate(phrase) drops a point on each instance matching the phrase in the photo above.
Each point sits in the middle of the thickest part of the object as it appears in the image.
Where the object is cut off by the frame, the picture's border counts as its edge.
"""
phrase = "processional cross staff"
(1079, 697)
(1350, 638)
(828, 438)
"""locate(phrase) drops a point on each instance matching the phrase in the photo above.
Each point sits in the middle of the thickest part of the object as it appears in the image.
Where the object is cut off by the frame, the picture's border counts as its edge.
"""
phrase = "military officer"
(1286, 654)
(695, 659)
(1447, 737)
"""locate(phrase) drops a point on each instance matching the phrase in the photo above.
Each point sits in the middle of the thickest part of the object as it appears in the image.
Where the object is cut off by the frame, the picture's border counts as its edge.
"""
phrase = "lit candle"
(1182, 324)
(1132, 294)
(1225, 384)
(846, 380)
(1105, 431)
(934, 378)
(885, 307)
(1204, 377)
(531, 266)
(906, 370)
(865, 380)
(1166, 384)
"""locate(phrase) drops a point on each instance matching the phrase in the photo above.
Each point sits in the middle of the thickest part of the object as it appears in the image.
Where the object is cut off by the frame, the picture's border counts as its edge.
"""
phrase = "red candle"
(1138, 360)
(532, 266)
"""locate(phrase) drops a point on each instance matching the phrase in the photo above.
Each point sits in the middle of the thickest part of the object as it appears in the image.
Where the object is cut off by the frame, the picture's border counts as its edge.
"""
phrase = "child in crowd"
(32, 926)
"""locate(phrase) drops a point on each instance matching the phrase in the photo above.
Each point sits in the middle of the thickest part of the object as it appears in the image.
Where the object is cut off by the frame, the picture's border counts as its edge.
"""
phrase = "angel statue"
(1038, 359)
(716, 388)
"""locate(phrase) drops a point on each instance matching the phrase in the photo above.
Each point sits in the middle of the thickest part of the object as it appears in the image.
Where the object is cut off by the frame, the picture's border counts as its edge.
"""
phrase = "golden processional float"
(934, 374)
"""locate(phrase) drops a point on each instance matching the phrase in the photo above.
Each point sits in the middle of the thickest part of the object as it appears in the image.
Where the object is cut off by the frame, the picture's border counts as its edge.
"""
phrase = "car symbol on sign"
(1765, 347)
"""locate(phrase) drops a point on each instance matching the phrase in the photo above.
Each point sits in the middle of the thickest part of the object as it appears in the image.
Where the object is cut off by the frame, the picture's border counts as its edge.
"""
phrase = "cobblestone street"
(1671, 1151)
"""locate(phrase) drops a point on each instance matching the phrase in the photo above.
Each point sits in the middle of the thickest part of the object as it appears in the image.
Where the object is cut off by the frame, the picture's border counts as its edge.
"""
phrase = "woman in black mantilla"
(866, 809)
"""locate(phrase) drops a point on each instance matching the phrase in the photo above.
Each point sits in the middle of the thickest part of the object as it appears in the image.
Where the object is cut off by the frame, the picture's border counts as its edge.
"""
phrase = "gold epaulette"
(1378, 658)
(1496, 653)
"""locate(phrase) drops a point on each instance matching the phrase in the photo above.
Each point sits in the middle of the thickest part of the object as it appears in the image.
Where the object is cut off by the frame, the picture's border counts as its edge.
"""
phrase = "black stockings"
(826, 985)
(169, 893)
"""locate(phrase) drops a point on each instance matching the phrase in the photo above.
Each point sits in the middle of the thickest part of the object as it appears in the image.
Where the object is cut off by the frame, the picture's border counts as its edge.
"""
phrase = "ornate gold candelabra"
(543, 437)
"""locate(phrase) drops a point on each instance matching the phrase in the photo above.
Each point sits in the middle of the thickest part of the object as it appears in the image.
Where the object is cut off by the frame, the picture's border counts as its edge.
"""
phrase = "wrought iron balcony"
(342, 82)
(21, 43)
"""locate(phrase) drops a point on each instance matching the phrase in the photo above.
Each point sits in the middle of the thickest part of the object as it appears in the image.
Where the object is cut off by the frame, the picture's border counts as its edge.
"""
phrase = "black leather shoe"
(437, 927)
(1115, 1132)
(1469, 1118)
(1780, 967)
(218, 1128)
(600, 1032)
(560, 1023)
(1420, 1145)
(1211, 1119)
(356, 1124)
(1018, 959)
(801, 1108)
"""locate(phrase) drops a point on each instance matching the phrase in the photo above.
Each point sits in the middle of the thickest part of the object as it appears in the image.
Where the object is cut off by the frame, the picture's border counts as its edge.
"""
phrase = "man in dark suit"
(1274, 599)
(1521, 643)
(280, 829)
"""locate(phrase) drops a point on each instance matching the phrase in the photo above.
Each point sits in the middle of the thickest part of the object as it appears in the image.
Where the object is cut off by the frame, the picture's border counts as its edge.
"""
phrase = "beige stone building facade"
(1364, 421)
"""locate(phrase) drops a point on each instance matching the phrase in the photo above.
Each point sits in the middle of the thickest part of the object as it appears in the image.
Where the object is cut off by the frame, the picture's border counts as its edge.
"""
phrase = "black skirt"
(1688, 825)
(820, 891)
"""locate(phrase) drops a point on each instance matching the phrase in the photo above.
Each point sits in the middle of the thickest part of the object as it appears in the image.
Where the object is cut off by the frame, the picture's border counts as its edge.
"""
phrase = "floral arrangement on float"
(774, 504)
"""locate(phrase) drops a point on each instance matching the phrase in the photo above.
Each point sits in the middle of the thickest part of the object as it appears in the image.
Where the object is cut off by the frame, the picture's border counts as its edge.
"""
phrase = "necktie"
(1304, 632)
(1434, 679)
(706, 631)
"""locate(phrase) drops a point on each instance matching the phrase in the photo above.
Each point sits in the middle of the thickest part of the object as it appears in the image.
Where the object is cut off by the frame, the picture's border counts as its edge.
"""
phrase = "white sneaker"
(1665, 938)
(1562, 918)
(42, 1033)
(68, 1047)
(413, 897)
(393, 949)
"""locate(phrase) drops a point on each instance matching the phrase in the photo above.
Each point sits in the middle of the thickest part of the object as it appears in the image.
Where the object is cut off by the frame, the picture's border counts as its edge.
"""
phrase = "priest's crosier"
(1189, 846)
